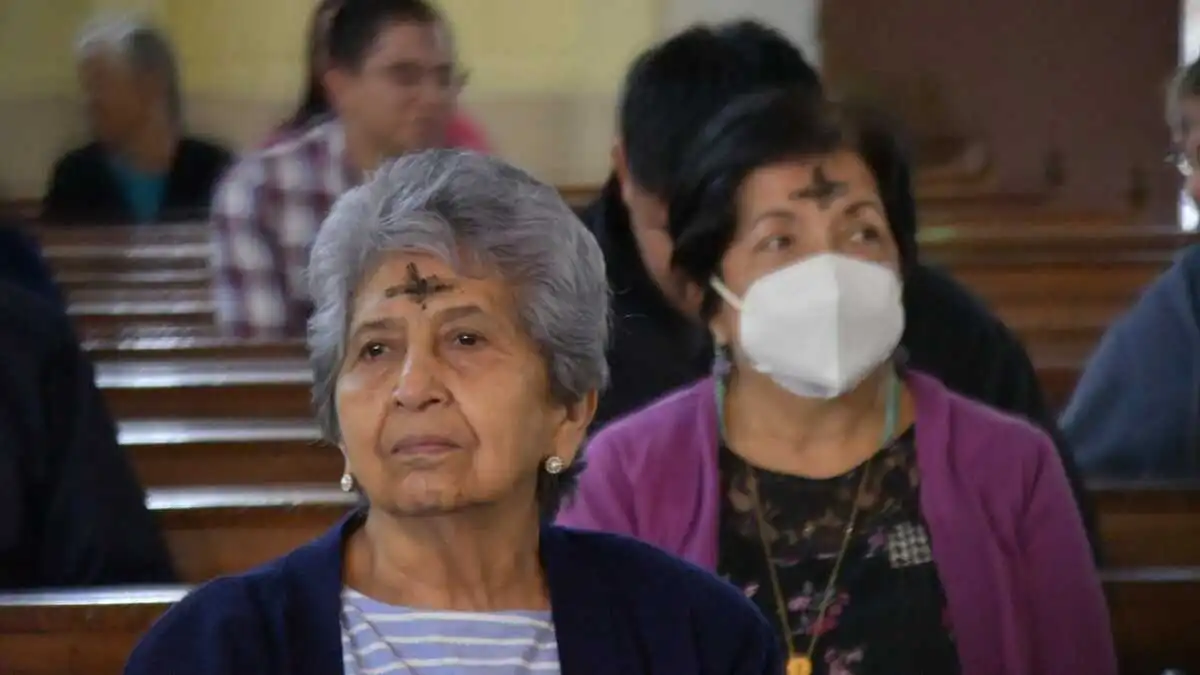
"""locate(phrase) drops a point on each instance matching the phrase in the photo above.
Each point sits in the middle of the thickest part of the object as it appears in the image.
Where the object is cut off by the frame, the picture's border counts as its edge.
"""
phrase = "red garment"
(464, 133)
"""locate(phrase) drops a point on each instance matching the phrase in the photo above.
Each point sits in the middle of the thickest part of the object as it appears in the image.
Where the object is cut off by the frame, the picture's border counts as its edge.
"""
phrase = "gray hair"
(453, 203)
(144, 47)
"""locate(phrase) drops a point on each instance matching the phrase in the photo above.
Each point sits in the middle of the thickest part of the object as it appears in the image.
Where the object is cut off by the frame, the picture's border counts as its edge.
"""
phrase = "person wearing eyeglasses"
(315, 107)
(393, 83)
(1136, 409)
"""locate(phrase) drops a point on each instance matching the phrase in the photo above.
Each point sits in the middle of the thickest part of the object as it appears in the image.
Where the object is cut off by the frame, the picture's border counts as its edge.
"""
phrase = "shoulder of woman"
(991, 442)
(202, 631)
(640, 570)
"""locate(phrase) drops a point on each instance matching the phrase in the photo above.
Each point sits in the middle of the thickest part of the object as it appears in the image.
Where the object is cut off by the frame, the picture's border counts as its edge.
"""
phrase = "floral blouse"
(888, 612)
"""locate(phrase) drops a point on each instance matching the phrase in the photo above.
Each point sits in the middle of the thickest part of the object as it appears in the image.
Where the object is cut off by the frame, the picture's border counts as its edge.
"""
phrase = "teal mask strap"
(891, 415)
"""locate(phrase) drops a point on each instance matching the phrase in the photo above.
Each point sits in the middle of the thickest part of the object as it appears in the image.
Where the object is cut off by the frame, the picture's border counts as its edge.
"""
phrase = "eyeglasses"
(411, 75)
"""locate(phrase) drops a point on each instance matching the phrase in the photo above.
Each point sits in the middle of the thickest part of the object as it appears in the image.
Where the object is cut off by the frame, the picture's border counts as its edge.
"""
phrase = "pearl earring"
(554, 465)
(347, 482)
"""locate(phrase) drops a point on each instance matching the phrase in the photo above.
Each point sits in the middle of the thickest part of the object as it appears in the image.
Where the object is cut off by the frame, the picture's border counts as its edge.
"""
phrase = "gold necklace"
(803, 665)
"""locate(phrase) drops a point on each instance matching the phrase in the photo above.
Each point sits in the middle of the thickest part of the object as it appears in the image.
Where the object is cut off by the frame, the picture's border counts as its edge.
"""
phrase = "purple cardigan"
(1022, 591)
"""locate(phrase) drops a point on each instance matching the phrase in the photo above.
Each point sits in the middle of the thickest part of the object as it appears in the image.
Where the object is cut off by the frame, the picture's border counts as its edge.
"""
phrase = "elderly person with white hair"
(457, 348)
(140, 167)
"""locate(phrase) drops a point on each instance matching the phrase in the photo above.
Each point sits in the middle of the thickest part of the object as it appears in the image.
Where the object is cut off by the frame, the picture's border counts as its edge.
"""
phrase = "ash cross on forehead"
(822, 190)
(419, 288)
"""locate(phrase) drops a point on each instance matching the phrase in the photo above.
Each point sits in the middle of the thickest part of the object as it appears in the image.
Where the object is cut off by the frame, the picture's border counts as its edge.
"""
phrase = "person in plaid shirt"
(393, 82)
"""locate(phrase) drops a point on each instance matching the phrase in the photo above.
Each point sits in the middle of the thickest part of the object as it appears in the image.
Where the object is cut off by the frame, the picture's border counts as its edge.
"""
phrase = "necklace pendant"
(799, 665)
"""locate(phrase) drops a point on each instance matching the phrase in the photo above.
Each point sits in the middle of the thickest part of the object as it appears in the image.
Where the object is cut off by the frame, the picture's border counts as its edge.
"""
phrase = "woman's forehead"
(819, 180)
(424, 279)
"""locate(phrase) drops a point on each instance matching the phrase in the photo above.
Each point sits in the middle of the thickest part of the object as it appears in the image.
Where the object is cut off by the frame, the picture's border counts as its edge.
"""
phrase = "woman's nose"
(418, 384)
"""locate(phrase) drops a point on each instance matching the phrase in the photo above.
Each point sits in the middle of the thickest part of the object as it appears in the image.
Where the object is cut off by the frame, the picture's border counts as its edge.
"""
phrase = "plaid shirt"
(265, 215)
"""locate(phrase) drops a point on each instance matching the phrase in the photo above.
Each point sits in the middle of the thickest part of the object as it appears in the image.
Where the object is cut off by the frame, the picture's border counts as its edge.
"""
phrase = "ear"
(573, 427)
(721, 324)
(621, 169)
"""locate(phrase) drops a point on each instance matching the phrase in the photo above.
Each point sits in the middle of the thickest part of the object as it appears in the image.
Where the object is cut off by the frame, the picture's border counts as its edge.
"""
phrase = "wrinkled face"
(1189, 146)
(402, 97)
(118, 99)
(790, 211)
(443, 400)
(648, 219)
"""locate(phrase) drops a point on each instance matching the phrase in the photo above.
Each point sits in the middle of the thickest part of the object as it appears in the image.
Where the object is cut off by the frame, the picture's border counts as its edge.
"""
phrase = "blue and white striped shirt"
(380, 639)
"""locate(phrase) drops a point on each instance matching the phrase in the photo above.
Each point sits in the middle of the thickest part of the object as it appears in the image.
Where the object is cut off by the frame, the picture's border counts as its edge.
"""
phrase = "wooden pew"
(1003, 282)
(1058, 367)
(151, 280)
(1153, 614)
(266, 380)
(218, 530)
(1006, 238)
(1148, 522)
(129, 235)
(119, 257)
(77, 632)
(207, 389)
(182, 453)
(1008, 266)
(189, 345)
(102, 317)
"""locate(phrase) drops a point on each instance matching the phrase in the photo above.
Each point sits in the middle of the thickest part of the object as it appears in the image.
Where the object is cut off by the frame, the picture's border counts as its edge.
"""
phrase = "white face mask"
(819, 326)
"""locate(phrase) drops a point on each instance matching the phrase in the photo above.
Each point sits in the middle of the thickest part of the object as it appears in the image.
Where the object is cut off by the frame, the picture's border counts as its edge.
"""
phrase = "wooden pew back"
(1153, 614)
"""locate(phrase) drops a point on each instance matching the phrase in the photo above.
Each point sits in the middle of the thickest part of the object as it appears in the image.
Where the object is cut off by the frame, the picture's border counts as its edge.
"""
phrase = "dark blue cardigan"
(620, 607)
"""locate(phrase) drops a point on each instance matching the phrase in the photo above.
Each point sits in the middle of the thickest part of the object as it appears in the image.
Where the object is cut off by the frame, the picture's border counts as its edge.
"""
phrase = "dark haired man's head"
(1183, 118)
(778, 176)
(669, 94)
(391, 74)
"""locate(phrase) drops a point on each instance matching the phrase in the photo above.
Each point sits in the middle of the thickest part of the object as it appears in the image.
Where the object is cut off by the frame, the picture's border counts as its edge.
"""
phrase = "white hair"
(143, 46)
(453, 203)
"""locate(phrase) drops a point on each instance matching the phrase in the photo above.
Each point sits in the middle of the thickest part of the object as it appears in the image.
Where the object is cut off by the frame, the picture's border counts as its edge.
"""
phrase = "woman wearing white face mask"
(884, 524)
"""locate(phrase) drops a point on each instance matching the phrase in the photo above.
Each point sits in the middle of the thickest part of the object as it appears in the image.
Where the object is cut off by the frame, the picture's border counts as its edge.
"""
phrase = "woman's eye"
(372, 350)
(466, 339)
(780, 242)
(868, 233)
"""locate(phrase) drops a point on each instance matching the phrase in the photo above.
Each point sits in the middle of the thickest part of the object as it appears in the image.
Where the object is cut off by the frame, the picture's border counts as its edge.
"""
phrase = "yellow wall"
(510, 46)
(544, 73)
(34, 36)
(240, 48)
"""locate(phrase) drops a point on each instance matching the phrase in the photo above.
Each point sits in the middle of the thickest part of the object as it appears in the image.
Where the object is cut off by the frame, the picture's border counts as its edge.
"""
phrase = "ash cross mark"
(821, 190)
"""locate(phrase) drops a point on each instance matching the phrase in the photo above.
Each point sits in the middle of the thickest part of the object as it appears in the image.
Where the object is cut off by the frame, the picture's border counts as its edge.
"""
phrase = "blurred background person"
(1136, 408)
(71, 510)
(314, 104)
(393, 80)
(142, 166)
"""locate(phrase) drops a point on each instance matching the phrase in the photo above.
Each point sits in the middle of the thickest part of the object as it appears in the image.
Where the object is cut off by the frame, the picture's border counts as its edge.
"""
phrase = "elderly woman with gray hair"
(458, 347)
(141, 167)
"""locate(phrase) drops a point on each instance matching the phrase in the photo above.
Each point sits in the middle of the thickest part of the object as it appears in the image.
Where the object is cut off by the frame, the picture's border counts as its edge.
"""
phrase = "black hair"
(314, 102)
(766, 128)
(358, 23)
(673, 89)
